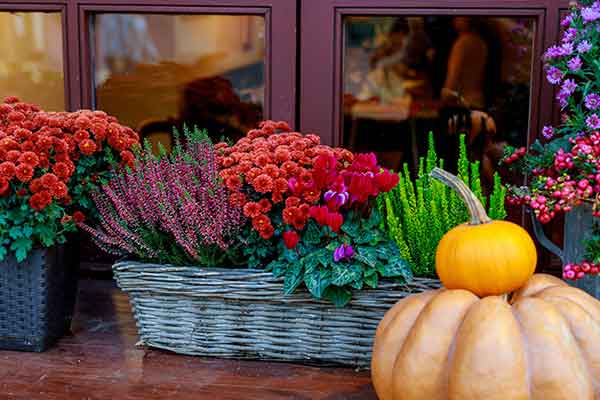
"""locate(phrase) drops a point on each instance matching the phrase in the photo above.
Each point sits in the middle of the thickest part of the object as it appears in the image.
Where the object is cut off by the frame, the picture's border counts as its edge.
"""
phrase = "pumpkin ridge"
(548, 293)
(579, 347)
(526, 350)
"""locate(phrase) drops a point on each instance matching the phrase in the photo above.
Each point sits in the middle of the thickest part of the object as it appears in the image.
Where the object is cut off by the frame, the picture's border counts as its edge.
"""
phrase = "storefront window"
(406, 76)
(157, 71)
(31, 58)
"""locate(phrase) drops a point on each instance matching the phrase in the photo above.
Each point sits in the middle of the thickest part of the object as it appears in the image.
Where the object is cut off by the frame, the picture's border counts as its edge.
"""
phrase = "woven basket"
(37, 299)
(241, 313)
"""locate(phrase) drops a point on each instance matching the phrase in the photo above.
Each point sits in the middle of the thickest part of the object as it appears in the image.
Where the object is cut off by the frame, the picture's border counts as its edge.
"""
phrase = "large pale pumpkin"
(543, 344)
(483, 256)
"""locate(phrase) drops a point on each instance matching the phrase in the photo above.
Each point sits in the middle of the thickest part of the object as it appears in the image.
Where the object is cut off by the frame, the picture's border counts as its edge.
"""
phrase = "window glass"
(31, 58)
(156, 71)
(406, 76)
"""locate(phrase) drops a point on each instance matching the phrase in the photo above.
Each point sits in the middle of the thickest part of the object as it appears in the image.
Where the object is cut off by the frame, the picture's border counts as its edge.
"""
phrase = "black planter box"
(37, 298)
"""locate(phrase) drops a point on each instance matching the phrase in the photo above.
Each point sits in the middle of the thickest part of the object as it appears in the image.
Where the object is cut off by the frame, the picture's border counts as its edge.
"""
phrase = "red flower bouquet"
(49, 163)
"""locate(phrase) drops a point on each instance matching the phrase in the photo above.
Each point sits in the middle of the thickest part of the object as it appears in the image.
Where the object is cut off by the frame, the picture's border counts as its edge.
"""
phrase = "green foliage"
(312, 263)
(592, 249)
(417, 214)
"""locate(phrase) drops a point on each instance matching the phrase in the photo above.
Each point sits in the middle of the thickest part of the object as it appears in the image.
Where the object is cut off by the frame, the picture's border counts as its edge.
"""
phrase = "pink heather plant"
(169, 209)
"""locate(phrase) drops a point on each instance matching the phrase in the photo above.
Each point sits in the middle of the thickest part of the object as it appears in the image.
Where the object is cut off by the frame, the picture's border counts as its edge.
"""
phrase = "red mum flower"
(29, 158)
(4, 186)
(280, 185)
(289, 168)
(35, 185)
(252, 209)
(299, 221)
(292, 201)
(7, 170)
(272, 170)
(277, 197)
(48, 180)
(282, 155)
(253, 173)
(267, 232)
(289, 213)
(263, 183)
(22, 133)
(21, 192)
(291, 239)
(265, 205)
(79, 217)
(24, 172)
(13, 155)
(260, 222)
(59, 190)
(312, 195)
(16, 116)
(117, 142)
(40, 200)
(233, 183)
(99, 131)
(83, 122)
(61, 170)
(237, 199)
(87, 146)
(81, 135)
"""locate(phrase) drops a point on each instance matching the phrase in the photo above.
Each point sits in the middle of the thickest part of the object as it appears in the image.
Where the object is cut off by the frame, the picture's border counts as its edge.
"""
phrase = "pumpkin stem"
(476, 209)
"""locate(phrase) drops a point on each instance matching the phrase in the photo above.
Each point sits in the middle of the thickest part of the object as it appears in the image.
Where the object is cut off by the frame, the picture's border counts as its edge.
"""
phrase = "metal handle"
(538, 230)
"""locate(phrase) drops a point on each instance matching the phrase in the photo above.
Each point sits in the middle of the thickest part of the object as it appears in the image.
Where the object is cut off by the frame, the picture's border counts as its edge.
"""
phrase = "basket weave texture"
(243, 313)
(37, 299)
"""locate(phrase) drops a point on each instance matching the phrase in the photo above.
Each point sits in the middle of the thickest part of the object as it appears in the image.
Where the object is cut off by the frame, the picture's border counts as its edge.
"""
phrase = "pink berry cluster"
(571, 178)
(577, 271)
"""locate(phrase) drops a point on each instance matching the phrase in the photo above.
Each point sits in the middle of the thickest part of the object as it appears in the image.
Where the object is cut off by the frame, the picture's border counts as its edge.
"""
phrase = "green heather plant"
(418, 213)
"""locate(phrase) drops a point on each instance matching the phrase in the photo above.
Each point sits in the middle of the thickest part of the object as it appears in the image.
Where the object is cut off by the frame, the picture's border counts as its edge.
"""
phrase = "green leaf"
(344, 274)
(21, 247)
(312, 235)
(396, 268)
(366, 255)
(277, 267)
(293, 277)
(317, 281)
(15, 232)
(3, 253)
(338, 296)
(371, 278)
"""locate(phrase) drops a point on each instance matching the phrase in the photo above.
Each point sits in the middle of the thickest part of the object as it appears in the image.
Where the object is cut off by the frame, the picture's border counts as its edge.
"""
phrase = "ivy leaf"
(293, 277)
(21, 247)
(339, 296)
(344, 274)
(317, 281)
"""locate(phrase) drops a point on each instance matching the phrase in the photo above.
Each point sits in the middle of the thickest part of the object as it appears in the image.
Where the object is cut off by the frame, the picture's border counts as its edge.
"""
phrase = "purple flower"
(548, 132)
(563, 98)
(554, 75)
(592, 101)
(593, 121)
(574, 64)
(566, 22)
(584, 47)
(553, 52)
(569, 86)
(569, 35)
(344, 252)
(590, 14)
(337, 199)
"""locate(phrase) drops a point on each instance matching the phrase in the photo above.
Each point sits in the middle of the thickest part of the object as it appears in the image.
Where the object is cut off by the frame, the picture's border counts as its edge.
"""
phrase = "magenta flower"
(566, 22)
(592, 101)
(584, 47)
(554, 75)
(344, 252)
(548, 132)
(593, 121)
(575, 64)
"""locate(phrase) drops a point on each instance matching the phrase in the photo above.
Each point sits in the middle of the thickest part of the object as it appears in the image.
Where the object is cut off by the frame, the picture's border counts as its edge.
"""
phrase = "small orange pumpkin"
(483, 256)
(544, 344)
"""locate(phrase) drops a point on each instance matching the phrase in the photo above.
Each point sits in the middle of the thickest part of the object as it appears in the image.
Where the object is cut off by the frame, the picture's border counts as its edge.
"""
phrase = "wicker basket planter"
(240, 313)
(37, 299)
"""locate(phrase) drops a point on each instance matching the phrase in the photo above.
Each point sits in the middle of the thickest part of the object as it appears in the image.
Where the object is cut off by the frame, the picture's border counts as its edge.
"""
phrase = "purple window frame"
(280, 28)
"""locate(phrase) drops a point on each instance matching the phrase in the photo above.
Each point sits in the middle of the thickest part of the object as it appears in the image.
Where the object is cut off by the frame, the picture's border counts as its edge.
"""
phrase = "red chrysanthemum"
(87, 147)
(267, 232)
(265, 205)
(40, 200)
(24, 172)
(13, 155)
(4, 186)
(59, 190)
(237, 199)
(117, 142)
(29, 158)
(48, 180)
(252, 209)
(272, 170)
(35, 185)
(260, 222)
(280, 185)
(233, 182)
(61, 169)
(81, 135)
(7, 170)
(263, 183)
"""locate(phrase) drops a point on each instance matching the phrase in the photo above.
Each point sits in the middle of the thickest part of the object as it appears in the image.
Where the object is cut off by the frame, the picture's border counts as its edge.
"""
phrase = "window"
(156, 71)
(405, 76)
(31, 61)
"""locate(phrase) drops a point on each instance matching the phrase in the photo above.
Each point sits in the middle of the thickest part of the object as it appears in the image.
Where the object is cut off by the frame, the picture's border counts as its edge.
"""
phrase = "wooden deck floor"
(100, 361)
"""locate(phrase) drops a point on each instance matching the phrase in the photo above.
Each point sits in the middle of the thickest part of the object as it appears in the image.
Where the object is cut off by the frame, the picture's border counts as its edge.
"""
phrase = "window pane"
(407, 76)
(31, 58)
(154, 71)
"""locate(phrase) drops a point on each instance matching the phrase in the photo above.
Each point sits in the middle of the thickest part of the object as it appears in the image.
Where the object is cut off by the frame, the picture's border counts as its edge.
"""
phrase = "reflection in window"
(31, 58)
(158, 71)
(406, 76)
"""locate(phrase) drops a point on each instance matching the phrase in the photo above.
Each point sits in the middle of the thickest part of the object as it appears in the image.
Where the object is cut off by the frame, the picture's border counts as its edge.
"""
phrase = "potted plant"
(310, 272)
(564, 165)
(46, 161)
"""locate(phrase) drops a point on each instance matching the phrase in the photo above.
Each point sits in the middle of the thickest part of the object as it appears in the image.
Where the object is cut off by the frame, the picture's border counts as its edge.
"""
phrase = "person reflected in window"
(467, 64)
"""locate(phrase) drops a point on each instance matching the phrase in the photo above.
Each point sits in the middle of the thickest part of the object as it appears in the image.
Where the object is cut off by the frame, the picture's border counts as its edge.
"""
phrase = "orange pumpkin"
(543, 344)
(483, 256)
